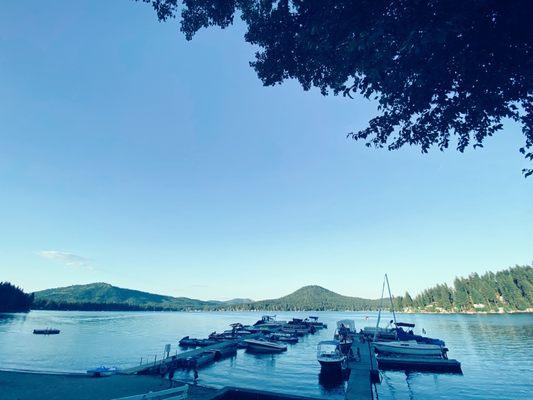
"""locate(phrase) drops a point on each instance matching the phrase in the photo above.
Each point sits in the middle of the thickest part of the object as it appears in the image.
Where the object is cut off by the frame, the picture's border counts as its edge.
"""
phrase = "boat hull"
(256, 346)
(411, 349)
(329, 366)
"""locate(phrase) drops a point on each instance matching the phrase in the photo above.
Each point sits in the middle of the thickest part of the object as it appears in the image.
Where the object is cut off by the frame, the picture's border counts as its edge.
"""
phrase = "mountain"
(102, 296)
(311, 298)
(232, 301)
(106, 296)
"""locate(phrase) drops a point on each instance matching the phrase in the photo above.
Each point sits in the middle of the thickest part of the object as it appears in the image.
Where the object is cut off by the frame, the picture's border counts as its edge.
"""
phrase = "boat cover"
(406, 324)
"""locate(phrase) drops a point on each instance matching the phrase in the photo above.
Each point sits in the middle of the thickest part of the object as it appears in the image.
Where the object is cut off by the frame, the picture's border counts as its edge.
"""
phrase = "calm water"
(496, 351)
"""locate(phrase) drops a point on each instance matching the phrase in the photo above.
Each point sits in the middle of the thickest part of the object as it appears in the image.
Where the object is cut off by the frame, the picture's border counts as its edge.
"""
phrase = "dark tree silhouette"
(444, 71)
(13, 299)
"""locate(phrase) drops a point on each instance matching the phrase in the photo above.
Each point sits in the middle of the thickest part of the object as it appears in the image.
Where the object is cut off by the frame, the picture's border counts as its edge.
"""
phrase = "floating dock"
(202, 356)
(420, 364)
(363, 371)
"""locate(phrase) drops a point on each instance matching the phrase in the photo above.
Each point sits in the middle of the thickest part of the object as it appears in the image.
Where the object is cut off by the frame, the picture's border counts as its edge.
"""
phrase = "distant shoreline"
(528, 311)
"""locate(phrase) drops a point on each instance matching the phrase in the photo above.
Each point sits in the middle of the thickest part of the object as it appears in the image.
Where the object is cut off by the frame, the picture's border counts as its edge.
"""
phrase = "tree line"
(507, 290)
(13, 298)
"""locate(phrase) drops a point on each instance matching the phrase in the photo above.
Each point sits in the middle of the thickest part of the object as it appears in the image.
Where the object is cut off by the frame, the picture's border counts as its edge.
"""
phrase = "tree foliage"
(509, 290)
(13, 299)
(444, 72)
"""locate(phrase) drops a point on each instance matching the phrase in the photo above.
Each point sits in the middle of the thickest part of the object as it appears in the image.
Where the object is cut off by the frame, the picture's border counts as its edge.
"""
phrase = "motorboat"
(312, 320)
(102, 371)
(264, 346)
(47, 331)
(345, 333)
(283, 337)
(345, 327)
(410, 348)
(403, 334)
(379, 332)
(269, 320)
(331, 357)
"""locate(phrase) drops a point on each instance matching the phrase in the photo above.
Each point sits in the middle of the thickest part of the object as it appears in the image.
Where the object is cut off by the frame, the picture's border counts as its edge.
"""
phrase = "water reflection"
(494, 351)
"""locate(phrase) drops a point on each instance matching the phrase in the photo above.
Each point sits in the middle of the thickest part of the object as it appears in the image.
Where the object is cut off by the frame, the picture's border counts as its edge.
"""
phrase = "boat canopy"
(313, 317)
(328, 347)
(406, 324)
(348, 323)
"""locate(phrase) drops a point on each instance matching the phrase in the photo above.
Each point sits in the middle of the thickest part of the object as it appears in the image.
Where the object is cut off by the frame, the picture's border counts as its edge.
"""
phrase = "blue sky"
(131, 156)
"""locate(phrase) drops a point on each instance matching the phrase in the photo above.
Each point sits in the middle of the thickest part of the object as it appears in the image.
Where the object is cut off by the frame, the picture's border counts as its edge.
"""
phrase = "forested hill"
(13, 298)
(503, 291)
(310, 298)
(103, 296)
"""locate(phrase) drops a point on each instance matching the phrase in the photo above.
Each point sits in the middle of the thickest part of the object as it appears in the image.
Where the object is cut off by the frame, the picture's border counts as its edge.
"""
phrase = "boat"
(346, 328)
(264, 346)
(402, 334)
(345, 333)
(102, 371)
(283, 337)
(312, 320)
(331, 357)
(379, 333)
(47, 331)
(268, 323)
(410, 348)
(294, 330)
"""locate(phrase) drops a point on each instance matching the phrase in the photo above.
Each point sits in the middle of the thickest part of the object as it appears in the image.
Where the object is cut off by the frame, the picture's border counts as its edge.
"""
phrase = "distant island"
(510, 290)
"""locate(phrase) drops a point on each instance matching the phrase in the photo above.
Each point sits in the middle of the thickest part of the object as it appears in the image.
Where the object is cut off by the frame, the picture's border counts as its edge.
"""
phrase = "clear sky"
(131, 156)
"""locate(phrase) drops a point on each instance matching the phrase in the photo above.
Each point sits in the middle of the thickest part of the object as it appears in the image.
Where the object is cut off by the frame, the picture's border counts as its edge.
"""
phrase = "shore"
(31, 386)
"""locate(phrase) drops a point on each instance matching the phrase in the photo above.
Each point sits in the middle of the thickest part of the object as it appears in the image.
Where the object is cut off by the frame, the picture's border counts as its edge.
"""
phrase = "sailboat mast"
(390, 297)
(379, 311)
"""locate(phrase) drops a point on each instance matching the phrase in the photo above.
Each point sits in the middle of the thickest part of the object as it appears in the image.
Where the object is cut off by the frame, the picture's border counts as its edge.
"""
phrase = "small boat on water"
(102, 371)
(268, 322)
(283, 337)
(410, 348)
(312, 320)
(402, 334)
(264, 346)
(345, 333)
(330, 356)
(47, 331)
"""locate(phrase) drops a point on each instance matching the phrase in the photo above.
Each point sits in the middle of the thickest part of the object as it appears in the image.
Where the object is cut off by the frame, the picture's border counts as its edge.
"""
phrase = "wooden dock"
(362, 367)
(219, 351)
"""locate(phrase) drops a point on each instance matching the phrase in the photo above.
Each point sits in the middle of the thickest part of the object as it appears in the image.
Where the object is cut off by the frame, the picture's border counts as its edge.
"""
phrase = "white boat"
(411, 348)
(264, 346)
(330, 356)
(102, 371)
(346, 326)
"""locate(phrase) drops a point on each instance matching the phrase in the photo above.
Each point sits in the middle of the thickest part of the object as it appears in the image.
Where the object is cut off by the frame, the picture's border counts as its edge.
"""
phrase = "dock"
(216, 351)
(363, 368)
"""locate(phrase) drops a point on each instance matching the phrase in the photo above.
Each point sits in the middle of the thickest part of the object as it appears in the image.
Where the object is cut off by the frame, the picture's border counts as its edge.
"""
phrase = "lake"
(496, 351)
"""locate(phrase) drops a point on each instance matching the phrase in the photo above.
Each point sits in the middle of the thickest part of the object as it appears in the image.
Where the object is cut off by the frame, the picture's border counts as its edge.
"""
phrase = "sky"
(131, 156)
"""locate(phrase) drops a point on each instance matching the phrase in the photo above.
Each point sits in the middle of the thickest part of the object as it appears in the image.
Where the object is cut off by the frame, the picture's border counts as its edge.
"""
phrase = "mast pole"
(390, 297)
(379, 311)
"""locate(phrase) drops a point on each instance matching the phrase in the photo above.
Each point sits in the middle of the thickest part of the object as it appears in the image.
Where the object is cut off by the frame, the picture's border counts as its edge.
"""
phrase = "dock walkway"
(219, 347)
(359, 383)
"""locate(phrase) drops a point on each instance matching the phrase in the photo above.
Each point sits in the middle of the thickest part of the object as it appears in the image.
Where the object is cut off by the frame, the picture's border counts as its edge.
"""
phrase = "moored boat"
(410, 348)
(283, 337)
(102, 371)
(330, 356)
(312, 320)
(47, 331)
(264, 346)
